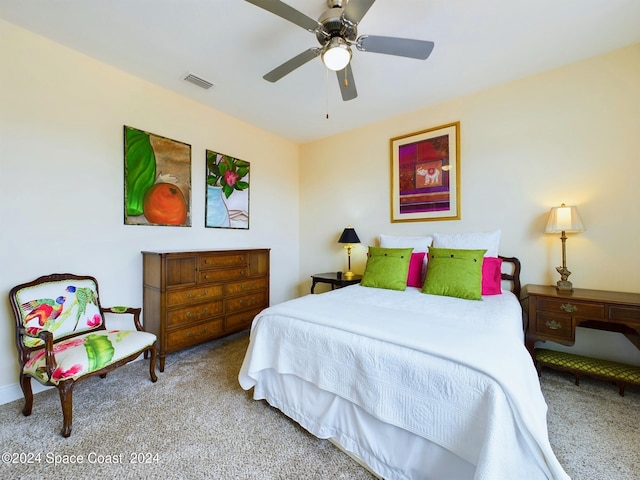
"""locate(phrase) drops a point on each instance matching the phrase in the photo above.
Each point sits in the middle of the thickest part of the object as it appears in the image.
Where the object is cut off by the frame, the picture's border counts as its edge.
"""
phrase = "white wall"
(61, 160)
(570, 135)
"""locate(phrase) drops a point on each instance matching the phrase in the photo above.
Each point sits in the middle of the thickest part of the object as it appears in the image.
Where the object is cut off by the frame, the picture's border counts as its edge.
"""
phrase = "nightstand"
(554, 314)
(335, 279)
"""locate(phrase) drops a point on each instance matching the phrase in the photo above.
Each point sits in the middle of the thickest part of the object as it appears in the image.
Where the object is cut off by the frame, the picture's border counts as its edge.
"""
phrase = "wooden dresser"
(555, 314)
(192, 297)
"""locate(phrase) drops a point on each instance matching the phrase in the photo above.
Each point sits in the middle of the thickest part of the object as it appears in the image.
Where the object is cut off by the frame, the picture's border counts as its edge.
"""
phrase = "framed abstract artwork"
(227, 196)
(157, 180)
(425, 175)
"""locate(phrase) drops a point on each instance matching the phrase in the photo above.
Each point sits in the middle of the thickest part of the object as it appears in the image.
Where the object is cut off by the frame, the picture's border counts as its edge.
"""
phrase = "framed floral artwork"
(425, 175)
(227, 197)
(157, 180)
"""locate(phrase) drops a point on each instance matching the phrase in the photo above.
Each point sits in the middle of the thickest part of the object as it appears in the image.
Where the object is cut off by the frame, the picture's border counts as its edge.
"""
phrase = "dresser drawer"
(624, 313)
(570, 307)
(247, 286)
(254, 300)
(196, 334)
(226, 260)
(194, 313)
(223, 274)
(193, 295)
(240, 321)
(181, 271)
(557, 326)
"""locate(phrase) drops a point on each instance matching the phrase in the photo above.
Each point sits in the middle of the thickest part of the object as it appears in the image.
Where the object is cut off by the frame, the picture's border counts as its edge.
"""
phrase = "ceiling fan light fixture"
(336, 30)
(337, 54)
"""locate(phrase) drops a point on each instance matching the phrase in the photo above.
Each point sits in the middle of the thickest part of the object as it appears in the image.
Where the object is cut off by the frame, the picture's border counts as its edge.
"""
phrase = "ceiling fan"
(337, 31)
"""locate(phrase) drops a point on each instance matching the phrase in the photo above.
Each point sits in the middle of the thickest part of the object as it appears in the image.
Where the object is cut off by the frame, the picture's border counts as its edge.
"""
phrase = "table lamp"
(349, 237)
(565, 220)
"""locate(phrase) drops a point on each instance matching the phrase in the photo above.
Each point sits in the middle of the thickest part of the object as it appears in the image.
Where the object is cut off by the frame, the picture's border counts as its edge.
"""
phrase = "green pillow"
(454, 273)
(387, 268)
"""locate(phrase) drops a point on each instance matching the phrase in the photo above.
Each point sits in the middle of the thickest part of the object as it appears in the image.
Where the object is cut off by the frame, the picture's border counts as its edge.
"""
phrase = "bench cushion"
(589, 366)
(81, 355)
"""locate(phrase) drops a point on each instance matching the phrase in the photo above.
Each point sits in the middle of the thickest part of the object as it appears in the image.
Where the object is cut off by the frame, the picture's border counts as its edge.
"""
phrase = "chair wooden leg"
(152, 364)
(25, 384)
(66, 399)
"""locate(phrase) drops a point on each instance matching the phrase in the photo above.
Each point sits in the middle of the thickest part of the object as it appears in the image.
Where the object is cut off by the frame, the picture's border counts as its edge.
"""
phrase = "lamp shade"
(564, 219)
(349, 235)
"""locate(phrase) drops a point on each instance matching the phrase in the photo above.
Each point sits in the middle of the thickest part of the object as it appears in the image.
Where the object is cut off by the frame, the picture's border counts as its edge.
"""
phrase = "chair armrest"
(120, 310)
(47, 338)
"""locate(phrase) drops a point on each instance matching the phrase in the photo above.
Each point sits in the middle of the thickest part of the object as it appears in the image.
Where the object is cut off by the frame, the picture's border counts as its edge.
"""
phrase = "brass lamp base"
(564, 283)
(348, 274)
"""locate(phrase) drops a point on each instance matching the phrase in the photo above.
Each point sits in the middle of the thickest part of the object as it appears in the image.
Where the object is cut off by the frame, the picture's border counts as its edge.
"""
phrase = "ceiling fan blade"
(347, 84)
(402, 47)
(290, 65)
(356, 9)
(283, 10)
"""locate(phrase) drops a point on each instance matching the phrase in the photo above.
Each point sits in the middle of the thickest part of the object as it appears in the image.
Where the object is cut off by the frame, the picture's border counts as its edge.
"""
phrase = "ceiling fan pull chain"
(326, 90)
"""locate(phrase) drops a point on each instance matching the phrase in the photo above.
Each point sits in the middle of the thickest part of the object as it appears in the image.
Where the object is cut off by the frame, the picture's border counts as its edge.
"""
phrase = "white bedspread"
(453, 371)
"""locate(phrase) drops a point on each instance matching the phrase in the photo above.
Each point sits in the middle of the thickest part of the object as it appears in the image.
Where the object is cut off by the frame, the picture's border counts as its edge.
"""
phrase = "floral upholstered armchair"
(62, 337)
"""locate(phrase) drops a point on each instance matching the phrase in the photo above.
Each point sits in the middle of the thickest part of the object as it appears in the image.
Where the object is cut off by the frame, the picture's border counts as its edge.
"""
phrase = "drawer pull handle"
(191, 334)
(567, 307)
(190, 295)
(201, 312)
(553, 325)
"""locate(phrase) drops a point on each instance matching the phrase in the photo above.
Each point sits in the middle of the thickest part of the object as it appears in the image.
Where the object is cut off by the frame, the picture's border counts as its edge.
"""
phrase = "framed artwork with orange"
(157, 180)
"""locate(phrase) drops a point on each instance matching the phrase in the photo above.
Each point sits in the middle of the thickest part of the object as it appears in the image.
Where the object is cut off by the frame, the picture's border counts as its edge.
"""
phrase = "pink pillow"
(491, 276)
(414, 277)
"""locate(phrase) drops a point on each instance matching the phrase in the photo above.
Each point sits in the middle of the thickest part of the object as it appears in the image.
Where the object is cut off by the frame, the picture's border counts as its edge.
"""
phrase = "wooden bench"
(62, 337)
(619, 373)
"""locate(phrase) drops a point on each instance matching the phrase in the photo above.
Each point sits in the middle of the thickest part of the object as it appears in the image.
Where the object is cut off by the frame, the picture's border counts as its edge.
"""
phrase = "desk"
(555, 314)
(335, 279)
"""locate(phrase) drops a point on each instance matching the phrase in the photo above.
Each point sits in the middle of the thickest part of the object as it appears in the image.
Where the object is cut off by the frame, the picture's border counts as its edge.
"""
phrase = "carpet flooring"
(196, 423)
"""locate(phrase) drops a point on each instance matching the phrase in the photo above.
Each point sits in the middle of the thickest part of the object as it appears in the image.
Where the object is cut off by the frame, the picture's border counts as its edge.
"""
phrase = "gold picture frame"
(425, 175)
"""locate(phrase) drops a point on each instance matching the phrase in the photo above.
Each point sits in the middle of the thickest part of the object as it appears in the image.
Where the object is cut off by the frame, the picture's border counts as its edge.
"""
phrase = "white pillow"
(419, 244)
(489, 241)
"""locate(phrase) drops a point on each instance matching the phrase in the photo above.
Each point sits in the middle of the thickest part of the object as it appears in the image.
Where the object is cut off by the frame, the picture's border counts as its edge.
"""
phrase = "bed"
(411, 385)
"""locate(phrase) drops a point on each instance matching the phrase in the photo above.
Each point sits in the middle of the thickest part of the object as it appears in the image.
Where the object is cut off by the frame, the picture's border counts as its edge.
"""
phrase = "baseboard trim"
(9, 393)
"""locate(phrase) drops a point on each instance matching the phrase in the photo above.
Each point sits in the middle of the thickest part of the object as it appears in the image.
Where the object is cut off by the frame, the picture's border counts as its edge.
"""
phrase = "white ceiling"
(232, 44)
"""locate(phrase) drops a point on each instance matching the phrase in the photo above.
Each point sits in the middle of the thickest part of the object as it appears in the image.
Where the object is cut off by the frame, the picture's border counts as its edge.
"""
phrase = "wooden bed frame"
(514, 276)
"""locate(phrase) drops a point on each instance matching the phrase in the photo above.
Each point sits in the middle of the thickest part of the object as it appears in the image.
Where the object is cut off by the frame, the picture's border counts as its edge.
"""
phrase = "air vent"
(200, 82)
